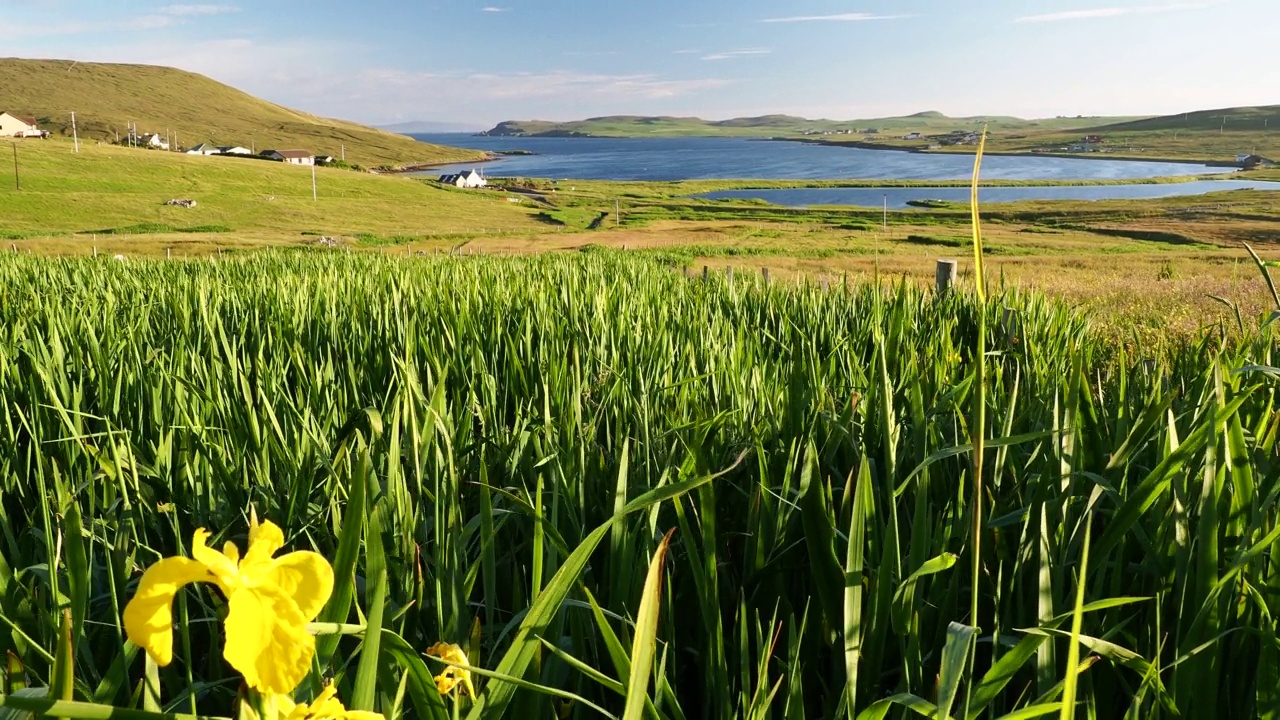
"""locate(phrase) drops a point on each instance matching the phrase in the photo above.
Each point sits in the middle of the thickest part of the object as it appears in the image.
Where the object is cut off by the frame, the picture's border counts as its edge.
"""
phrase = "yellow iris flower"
(325, 707)
(455, 674)
(270, 601)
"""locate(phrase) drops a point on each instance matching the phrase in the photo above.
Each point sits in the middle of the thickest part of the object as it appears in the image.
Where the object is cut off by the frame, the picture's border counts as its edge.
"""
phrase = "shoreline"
(862, 145)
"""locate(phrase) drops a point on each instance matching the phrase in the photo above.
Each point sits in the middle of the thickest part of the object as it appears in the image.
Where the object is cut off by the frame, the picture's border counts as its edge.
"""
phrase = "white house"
(469, 179)
(154, 140)
(912, 136)
(292, 157)
(12, 125)
(234, 150)
(203, 149)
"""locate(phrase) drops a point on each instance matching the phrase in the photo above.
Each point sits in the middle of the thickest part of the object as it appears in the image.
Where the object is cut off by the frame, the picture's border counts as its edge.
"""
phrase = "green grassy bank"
(509, 439)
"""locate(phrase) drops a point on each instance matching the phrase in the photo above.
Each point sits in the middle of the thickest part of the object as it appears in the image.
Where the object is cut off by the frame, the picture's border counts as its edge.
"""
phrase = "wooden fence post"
(945, 275)
(706, 273)
(168, 253)
(728, 274)
(764, 272)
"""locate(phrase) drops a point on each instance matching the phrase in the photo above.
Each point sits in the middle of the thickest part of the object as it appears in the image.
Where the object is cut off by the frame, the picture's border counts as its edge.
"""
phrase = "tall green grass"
(492, 451)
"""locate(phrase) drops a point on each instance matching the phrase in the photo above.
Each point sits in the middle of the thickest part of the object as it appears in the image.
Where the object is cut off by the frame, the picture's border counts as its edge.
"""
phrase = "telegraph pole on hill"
(75, 135)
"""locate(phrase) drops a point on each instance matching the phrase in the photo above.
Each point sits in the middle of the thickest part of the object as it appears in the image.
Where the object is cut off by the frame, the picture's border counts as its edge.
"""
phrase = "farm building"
(12, 125)
(154, 140)
(234, 150)
(203, 149)
(1253, 162)
(292, 157)
(469, 179)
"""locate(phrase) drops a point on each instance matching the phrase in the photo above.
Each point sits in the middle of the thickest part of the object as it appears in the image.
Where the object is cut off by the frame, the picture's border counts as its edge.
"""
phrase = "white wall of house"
(11, 126)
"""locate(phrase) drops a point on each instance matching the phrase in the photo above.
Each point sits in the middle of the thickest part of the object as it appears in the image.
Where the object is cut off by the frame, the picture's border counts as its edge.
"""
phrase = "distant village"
(15, 125)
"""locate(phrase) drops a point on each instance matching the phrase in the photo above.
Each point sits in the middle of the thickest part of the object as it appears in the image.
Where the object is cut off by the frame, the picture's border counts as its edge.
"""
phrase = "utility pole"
(617, 213)
(16, 180)
(344, 152)
(75, 134)
(314, 197)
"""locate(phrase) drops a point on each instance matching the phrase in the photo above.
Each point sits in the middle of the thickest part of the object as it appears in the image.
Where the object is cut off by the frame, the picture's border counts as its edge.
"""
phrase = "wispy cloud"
(731, 54)
(686, 52)
(188, 10)
(493, 9)
(1108, 12)
(839, 17)
(164, 17)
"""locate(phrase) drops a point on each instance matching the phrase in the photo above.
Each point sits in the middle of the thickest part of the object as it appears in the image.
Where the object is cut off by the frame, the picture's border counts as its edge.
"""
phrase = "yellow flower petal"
(264, 541)
(306, 577)
(267, 640)
(326, 706)
(456, 673)
(221, 567)
(231, 551)
(148, 618)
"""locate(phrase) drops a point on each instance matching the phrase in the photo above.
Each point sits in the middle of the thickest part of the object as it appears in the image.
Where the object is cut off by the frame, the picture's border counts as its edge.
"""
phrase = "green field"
(506, 441)
(107, 98)
(114, 197)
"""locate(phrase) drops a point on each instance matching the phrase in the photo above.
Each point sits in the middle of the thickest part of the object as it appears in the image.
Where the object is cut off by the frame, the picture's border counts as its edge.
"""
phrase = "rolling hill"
(107, 97)
(1263, 118)
(777, 125)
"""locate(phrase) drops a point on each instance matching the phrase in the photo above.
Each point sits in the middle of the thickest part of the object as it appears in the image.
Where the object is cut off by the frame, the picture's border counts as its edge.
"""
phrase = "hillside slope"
(107, 97)
(120, 195)
(1238, 118)
(778, 125)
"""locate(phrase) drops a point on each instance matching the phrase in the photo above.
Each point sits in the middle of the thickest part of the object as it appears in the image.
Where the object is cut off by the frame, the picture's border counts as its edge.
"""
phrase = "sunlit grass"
(492, 450)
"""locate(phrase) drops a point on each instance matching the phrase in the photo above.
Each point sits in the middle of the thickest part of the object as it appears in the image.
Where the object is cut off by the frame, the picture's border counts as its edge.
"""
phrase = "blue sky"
(478, 62)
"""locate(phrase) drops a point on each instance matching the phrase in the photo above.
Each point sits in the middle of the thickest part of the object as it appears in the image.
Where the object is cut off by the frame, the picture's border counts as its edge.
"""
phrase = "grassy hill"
(1221, 120)
(114, 197)
(781, 125)
(107, 97)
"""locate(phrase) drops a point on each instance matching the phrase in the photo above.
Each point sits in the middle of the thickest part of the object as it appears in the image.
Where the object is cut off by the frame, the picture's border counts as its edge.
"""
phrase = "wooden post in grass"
(16, 180)
(945, 275)
(824, 284)
(706, 273)
(764, 272)
(168, 253)
(95, 251)
(728, 274)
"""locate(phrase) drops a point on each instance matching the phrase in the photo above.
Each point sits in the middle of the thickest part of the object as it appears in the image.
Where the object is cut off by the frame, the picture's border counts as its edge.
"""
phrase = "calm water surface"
(665, 159)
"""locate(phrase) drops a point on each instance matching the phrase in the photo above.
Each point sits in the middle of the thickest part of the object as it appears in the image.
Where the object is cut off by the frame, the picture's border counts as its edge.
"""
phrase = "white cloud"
(731, 54)
(1108, 12)
(840, 17)
(492, 9)
(319, 78)
(189, 10)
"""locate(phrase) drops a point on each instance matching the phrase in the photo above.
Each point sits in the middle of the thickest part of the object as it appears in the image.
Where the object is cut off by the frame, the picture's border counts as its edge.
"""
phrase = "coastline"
(423, 167)
(863, 145)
